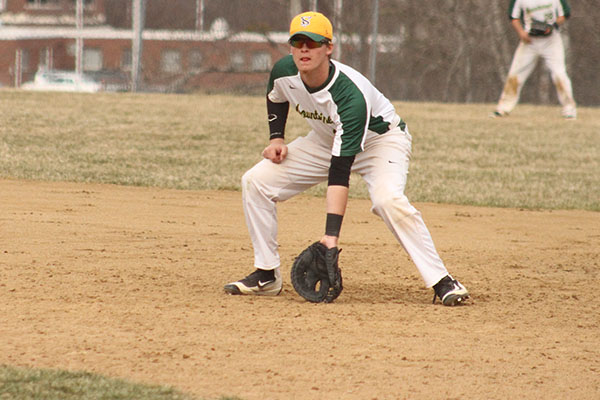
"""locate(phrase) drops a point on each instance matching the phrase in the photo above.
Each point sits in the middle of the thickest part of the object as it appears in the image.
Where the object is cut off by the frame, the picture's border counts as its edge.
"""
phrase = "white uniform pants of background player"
(551, 50)
(384, 167)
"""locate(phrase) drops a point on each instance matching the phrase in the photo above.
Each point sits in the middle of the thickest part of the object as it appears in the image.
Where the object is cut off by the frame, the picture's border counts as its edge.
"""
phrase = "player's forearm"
(518, 27)
(278, 113)
(338, 184)
(523, 35)
(337, 198)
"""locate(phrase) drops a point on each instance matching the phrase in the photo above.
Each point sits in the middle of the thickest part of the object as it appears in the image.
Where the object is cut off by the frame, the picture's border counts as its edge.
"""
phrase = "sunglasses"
(311, 44)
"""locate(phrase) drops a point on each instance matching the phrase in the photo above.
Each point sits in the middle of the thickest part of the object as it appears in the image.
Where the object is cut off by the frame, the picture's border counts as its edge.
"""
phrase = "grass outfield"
(26, 384)
(532, 159)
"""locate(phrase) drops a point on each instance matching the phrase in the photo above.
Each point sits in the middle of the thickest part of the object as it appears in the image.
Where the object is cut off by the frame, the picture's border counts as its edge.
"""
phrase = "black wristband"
(333, 224)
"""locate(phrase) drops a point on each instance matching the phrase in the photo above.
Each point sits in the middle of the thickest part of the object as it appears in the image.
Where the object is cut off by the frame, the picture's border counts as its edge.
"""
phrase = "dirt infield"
(127, 282)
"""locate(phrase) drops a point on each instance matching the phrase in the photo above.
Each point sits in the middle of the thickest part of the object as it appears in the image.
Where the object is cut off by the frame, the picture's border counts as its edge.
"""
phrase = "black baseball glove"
(540, 28)
(316, 275)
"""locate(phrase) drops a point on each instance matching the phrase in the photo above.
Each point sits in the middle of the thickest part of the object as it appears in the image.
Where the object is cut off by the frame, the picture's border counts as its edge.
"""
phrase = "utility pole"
(138, 13)
(79, 39)
(295, 8)
(337, 27)
(200, 15)
(373, 56)
(18, 67)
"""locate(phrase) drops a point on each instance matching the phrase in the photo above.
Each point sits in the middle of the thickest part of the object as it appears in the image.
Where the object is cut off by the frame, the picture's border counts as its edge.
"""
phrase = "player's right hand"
(524, 36)
(276, 151)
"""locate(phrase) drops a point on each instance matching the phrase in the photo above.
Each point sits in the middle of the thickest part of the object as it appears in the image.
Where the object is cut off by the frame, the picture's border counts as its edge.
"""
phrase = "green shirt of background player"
(354, 128)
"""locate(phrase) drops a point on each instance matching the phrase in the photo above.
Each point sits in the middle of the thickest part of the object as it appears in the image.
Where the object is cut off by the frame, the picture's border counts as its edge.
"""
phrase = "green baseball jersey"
(347, 106)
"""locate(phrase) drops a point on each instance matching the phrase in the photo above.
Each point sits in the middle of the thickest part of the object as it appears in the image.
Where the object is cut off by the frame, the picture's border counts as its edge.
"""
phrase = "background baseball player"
(353, 128)
(537, 23)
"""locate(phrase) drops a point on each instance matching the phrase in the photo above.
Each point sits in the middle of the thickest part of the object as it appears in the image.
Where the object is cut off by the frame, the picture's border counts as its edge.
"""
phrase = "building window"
(237, 61)
(46, 58)
(92, 59)
(43, 3)
(170, 61)
(195, 59)
(126, 60)
(261, 61)
(25, 67)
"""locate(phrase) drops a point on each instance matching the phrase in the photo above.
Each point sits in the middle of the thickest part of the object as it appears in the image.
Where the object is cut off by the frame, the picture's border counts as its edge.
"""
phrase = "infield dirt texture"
(127, 282)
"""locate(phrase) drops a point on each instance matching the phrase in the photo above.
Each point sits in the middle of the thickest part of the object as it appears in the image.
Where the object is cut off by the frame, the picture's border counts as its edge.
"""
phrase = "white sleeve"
(515, 13)
(275, 96)
(560, 11)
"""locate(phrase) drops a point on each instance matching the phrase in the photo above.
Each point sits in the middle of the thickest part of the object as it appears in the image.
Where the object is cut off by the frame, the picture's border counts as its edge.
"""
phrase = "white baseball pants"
(384, 167)
(551, 50)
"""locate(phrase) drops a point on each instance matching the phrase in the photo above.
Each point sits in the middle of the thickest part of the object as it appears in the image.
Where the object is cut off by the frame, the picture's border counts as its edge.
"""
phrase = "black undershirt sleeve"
(278, 113)
(339, 170)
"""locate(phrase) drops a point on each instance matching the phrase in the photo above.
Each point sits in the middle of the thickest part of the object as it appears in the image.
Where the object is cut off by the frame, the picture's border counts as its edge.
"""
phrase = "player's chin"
(304, 65)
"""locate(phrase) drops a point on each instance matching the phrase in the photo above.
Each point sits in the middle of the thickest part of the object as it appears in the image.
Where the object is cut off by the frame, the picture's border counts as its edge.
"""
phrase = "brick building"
(43, 34)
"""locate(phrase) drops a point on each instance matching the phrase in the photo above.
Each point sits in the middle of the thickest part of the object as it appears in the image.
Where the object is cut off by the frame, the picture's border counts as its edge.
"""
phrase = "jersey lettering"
(314, 115)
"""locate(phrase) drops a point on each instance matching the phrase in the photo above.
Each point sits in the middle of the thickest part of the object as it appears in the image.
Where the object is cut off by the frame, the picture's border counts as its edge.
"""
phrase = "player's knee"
(389, 202)
(249, 183)
(255, 184)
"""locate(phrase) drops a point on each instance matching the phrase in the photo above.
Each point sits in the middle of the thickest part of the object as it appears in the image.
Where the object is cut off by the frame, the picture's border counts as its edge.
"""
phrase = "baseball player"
(537, 23)
(353, 128)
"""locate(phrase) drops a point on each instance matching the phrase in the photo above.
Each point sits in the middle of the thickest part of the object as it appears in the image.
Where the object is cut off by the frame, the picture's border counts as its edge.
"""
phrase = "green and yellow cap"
(312, 24)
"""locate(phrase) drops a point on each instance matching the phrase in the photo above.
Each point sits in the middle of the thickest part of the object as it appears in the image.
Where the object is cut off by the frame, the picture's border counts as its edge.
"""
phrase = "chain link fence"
(425, 50)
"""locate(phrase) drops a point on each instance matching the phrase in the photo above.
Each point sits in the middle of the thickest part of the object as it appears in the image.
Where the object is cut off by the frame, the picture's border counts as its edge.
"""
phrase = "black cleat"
(259, 283)
(450, 291)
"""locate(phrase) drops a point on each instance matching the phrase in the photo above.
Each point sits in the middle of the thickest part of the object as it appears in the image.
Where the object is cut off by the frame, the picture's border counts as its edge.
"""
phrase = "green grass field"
(532, 159)
(26, 384)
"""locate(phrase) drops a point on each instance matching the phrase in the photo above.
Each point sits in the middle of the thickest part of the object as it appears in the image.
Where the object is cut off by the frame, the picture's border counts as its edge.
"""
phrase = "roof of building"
(107, 32)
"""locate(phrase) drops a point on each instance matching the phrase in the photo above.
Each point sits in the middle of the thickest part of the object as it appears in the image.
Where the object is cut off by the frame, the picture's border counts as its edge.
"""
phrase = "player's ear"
(329, 48)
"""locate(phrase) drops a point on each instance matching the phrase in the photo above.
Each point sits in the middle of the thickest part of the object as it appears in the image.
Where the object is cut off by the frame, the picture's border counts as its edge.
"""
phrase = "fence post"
(79, 39)
(137, 43)
(18, 67)
(373, 57)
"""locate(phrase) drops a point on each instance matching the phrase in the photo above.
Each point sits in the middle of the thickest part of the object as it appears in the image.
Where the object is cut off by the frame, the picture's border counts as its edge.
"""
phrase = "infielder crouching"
(354, 128)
